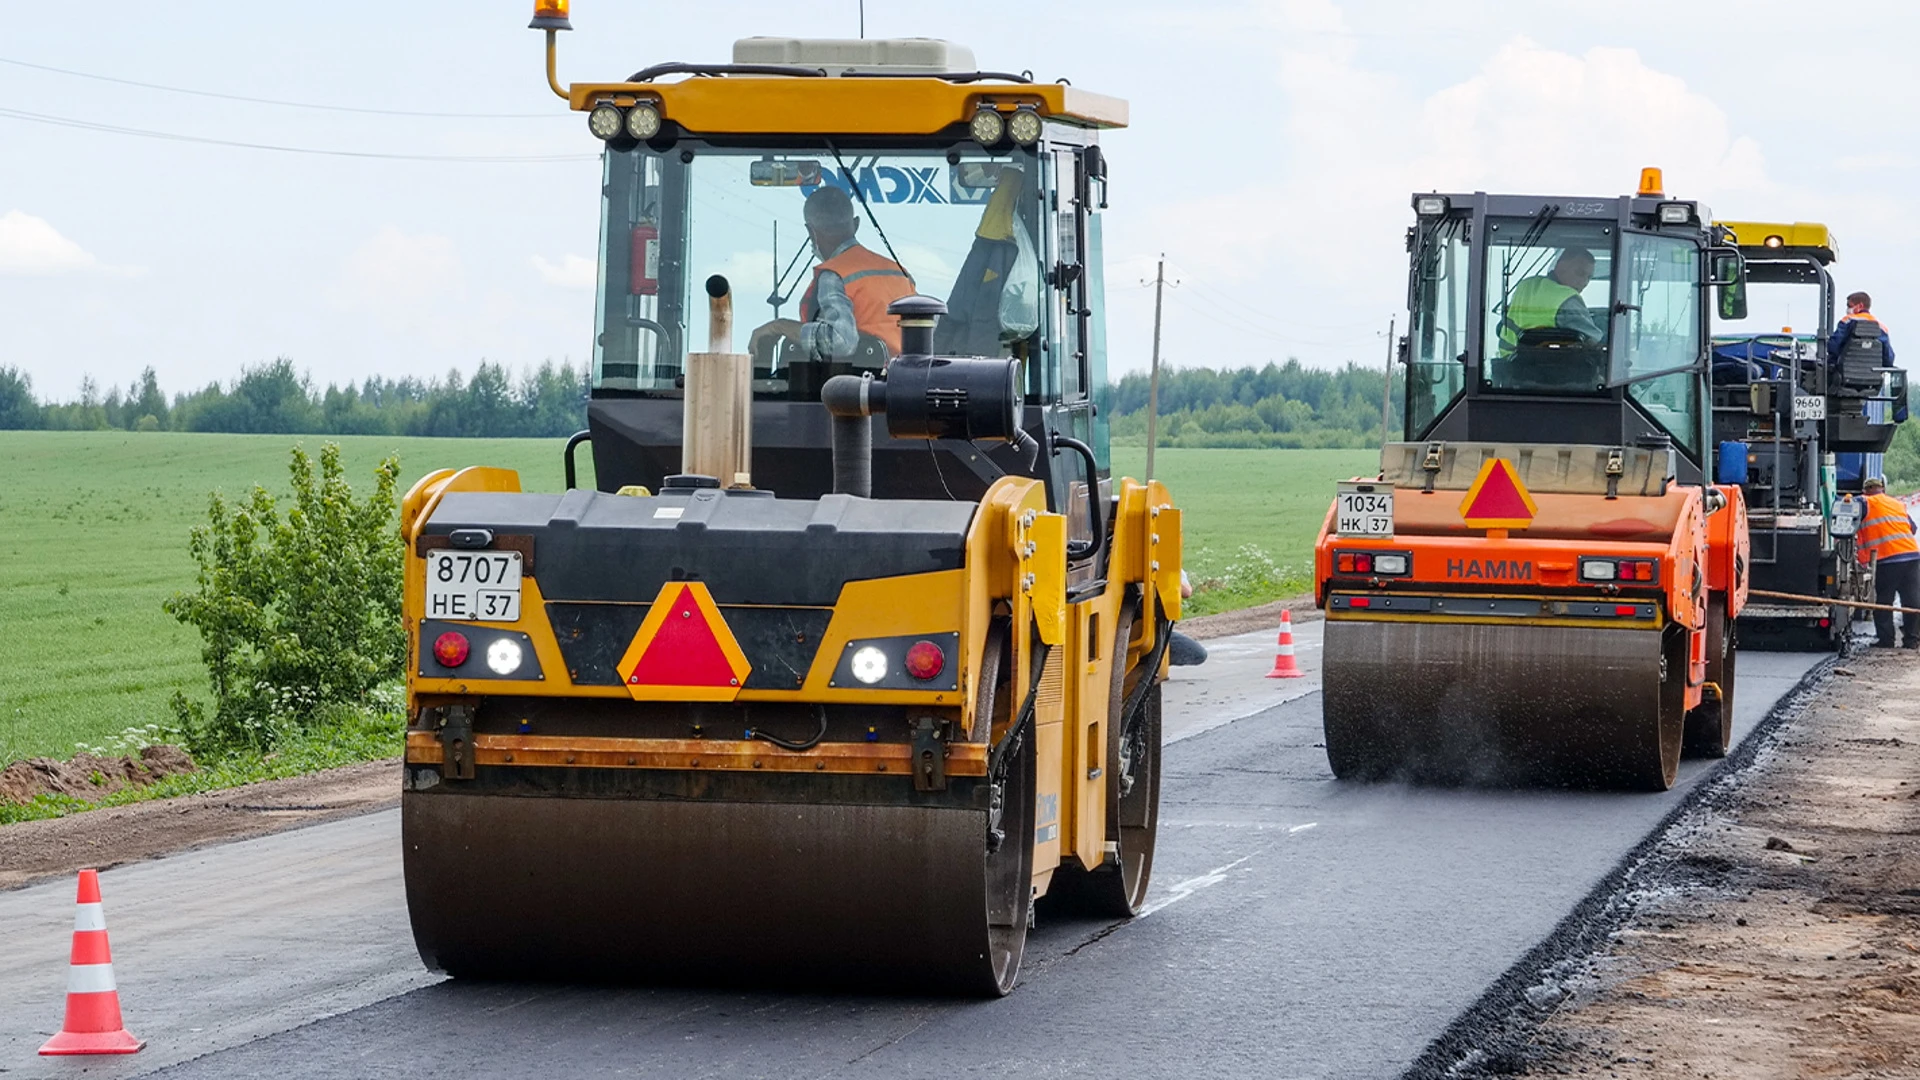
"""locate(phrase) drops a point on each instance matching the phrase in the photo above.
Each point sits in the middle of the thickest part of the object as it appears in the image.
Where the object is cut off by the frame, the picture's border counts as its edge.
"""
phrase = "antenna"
(863, 20)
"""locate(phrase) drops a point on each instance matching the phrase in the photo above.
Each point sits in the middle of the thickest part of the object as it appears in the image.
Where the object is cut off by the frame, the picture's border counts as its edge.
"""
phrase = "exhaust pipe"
(717, 420)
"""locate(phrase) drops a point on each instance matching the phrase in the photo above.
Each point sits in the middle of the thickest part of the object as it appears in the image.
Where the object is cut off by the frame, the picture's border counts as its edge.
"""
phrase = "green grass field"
(1250, 515)
(93, 536)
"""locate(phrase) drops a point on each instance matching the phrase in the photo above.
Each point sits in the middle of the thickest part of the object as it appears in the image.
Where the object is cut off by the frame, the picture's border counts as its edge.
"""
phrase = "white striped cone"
(93, 1024)
(1283, 663)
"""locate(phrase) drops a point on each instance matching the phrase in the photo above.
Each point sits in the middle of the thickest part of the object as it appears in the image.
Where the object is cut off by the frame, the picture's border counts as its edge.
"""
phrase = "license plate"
(1809, 407)
(1364, 510)
(480, 585)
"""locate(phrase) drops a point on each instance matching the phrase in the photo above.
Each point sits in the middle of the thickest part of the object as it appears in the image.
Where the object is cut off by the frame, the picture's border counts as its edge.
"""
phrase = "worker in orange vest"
(1886, 540)
(851, 287)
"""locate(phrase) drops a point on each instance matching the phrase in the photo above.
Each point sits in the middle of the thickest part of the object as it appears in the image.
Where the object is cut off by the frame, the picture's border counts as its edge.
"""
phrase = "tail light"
(1383, 563)
(925, 660)
(451, 649)
(1637, 571)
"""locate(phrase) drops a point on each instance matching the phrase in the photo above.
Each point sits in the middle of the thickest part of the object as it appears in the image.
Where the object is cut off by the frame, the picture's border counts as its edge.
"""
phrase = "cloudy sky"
(1273, 149)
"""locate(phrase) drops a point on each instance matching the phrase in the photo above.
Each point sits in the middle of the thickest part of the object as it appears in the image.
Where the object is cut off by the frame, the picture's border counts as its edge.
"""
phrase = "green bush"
(299, 614)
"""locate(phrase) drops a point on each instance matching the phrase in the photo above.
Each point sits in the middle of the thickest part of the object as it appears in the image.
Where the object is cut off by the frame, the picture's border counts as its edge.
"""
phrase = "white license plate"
(479, 585)
(1809, 407)
(1364, 510)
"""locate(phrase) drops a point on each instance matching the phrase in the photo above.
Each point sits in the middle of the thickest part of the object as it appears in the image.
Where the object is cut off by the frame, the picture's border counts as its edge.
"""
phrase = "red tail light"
(1343, 562)
(925, 660)
(451, 649)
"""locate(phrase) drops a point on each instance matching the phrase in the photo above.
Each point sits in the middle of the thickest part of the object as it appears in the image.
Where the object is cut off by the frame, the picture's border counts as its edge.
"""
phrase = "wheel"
(1656, 760)
(1118, 887)
(1008, 837)
(1710, 727)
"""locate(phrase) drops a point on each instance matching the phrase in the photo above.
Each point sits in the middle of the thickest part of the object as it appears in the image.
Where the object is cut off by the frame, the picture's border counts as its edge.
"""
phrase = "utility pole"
(1386, 395)
(1153, 373)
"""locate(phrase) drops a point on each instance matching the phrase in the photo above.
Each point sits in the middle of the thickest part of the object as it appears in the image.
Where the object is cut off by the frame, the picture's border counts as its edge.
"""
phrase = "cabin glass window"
(1660, 343)
(1437, 342)
(910, 219)
(1549, 288)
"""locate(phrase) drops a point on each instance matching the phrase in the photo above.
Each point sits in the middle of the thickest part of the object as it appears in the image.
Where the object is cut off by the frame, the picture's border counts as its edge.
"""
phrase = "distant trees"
(1279, 405)
(276, 398)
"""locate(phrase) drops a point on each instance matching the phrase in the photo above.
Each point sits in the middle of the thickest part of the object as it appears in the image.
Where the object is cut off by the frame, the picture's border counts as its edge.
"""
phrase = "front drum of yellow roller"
(1504, 704)
(745, 879)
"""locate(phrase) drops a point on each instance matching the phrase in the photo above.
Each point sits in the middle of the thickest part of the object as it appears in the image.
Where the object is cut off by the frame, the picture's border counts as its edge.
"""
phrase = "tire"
(1656, 761)
(1710, 727)
(1008, 840)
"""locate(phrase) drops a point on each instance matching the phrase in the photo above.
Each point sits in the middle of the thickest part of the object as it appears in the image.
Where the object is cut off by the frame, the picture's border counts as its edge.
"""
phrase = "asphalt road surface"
(1299, 927)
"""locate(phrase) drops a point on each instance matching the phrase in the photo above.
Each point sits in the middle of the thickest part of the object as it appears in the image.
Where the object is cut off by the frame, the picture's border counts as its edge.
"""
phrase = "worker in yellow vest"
(1552, 300)
(1886, 539)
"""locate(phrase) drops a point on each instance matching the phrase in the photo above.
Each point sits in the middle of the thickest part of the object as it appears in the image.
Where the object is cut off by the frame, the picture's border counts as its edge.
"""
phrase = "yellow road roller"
(852, 648)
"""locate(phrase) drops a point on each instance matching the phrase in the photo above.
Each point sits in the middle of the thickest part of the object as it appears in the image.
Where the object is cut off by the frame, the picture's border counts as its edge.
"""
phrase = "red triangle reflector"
(684, 650)
(1497, 499)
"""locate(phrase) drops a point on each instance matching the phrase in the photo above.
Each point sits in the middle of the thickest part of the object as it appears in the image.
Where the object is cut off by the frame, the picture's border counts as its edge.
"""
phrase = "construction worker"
(1886, 540)
(851, 288)
(1182, 650)
(1859, 320)
(1552, 300)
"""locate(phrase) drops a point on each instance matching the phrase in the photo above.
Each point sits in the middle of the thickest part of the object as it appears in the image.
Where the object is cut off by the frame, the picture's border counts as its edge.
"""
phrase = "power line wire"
(112, 129)
(275, 101)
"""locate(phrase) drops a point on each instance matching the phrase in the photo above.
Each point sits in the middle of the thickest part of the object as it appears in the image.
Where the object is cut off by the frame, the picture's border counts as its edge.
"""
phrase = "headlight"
(1774, 241)
(1429, 205)
(869, 665)
(1024, 126)
(604, 120)
(1674, 213)
(643, 121)
(987, 127)
(504, 656)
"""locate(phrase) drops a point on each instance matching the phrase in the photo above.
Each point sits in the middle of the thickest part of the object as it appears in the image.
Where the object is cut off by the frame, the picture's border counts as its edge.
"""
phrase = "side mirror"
(1094, 162)
(1729, 279)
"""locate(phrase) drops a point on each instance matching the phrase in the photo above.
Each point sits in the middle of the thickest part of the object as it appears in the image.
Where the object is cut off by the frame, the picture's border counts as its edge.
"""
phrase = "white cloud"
(412, 284)
(571, 272)
(30, 246)
(1301, 236)
(1536, 119)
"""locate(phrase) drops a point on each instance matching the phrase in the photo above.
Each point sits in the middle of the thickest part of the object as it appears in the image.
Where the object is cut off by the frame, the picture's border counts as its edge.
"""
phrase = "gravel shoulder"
(1264, 617)
(1775, 932)
(33, 850)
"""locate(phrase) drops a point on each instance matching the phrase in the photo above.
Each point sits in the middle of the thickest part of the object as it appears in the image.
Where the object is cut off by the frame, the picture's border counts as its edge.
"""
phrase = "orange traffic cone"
(1283, 665)
(93, 1004)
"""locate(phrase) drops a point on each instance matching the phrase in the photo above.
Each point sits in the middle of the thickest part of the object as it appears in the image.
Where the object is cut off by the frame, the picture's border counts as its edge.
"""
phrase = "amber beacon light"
(552, 16)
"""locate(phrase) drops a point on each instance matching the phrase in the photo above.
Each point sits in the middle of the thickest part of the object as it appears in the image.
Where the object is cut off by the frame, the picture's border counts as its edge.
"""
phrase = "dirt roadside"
(1264, 617)
(1778, 932)
(32, 850)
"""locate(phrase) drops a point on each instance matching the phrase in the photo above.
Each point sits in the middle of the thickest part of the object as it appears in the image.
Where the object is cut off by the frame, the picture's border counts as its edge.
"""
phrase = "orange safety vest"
(872, 282)
(1885, 532)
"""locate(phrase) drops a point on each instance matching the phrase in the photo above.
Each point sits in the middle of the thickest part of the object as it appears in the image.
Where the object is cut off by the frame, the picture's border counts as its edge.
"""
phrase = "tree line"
(274, 398)
(1279, 405)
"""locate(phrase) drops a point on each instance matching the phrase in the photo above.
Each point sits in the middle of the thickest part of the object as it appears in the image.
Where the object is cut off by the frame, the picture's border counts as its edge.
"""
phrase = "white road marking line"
(1192, 885)
(1303, 828)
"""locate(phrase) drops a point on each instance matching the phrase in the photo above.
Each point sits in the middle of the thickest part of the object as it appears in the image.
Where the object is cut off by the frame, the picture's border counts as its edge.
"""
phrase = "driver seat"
(1551, 358)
